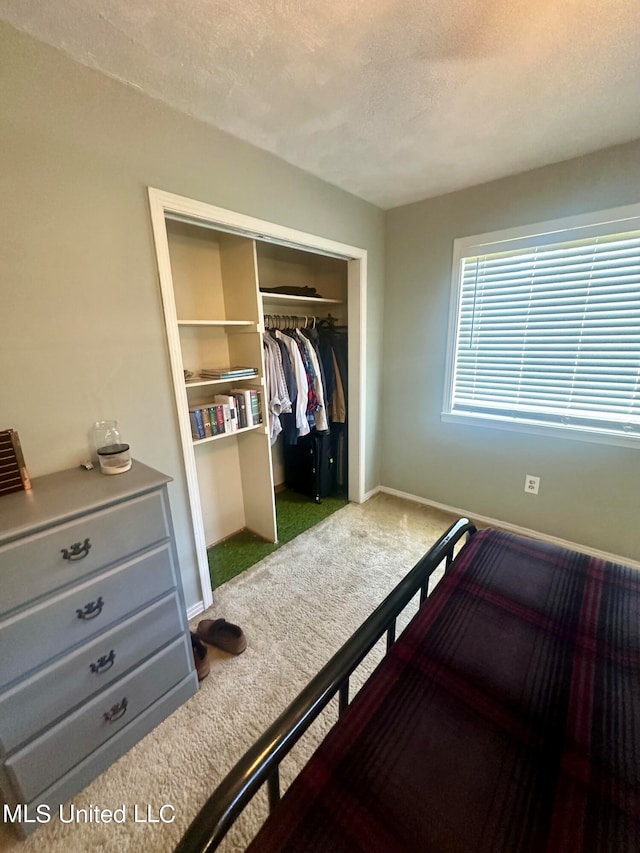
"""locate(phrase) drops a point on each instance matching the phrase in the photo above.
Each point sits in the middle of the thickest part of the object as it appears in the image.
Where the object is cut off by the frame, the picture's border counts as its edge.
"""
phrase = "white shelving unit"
(211, 264)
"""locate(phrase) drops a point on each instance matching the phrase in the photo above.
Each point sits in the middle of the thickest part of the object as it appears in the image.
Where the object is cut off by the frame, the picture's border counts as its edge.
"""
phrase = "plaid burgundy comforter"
(505, 718)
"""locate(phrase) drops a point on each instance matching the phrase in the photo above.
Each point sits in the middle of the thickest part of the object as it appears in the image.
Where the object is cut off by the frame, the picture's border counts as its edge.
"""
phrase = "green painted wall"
(81, 326)
(589, 493)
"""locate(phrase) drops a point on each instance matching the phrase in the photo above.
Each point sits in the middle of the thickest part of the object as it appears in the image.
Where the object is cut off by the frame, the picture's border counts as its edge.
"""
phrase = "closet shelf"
(289, 299)
(221, 323)
(229, 434)
(197, 383)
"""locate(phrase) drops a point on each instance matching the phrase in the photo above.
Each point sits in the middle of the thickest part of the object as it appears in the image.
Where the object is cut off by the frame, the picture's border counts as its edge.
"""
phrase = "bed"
(504, 717)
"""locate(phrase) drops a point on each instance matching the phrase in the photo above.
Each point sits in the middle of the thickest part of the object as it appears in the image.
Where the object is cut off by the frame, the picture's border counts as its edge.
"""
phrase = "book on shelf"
(226, 417)
(213, 420)
(215, 427)
(228, 372)
(220, 417)
(230, 413)
(256, 406)
(241, 408)
(197, 424)
(251, 397)
(206, 421)
(221, 414)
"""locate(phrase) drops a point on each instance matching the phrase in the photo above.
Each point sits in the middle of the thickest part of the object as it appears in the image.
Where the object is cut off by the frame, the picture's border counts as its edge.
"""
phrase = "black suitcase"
(309, 466)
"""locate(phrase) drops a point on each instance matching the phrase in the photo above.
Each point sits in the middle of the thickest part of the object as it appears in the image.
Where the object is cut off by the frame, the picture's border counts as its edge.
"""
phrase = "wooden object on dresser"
(13, 471)
(94, 641)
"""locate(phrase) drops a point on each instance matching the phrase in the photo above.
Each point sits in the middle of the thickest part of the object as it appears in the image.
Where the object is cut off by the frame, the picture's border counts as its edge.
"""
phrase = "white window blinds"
(549, 333)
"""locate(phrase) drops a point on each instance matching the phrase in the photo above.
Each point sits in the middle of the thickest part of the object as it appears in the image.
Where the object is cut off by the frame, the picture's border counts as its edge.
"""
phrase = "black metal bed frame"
(261, 762)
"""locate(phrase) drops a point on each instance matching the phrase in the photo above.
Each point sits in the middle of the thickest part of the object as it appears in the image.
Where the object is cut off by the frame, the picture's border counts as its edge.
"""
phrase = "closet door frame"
(165, 205)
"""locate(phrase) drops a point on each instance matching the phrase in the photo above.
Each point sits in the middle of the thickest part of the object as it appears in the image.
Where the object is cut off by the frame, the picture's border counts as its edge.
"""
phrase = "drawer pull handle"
(116, 711)
(104, 663)
(78, 551)
(91, 610)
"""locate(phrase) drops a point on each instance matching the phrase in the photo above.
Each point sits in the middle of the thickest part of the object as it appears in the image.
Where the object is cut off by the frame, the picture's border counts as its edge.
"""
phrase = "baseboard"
(513, 528)
(371, 494)
(195, 610)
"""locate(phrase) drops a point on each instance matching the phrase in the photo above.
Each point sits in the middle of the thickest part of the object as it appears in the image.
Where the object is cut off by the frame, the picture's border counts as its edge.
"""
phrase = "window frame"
(576, 227)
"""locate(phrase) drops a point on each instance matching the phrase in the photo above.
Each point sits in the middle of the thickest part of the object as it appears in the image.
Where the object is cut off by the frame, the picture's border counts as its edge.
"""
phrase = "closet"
(218, 271)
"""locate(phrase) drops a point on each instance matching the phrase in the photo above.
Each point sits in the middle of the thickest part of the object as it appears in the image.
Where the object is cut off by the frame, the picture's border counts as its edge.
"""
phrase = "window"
(545, 328)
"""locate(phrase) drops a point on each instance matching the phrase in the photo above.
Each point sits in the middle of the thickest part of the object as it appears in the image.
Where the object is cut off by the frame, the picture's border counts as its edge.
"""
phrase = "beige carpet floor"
(297, 606)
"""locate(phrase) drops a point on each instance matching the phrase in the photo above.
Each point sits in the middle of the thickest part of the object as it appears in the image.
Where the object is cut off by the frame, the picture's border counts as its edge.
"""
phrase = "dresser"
(94, 641)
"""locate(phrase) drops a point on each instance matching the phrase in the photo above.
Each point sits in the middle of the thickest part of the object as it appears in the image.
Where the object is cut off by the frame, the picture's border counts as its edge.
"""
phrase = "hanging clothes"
(319, 412)
(288, 419)
(338, 402)
(338, 343)
(334, 347)
(279, 402)
(302, 382)
(306, 377)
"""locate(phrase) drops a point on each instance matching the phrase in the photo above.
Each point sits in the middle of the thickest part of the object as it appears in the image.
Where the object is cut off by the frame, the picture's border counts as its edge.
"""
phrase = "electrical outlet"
(531, 484)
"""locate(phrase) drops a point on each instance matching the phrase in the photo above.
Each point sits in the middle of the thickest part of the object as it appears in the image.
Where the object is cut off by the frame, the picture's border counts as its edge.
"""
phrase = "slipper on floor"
(199, 656)
(224, 635)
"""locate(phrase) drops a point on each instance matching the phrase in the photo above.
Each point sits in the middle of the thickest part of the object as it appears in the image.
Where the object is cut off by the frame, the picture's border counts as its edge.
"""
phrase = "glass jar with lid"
(109, 449)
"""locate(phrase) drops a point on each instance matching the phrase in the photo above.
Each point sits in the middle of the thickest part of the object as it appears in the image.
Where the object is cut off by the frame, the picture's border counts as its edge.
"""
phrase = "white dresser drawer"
(69, 618)
(50, 693)
(50, 756)
(35, 565)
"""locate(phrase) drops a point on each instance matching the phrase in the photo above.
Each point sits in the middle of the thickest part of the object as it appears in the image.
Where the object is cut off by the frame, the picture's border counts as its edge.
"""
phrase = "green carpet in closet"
(295, 513)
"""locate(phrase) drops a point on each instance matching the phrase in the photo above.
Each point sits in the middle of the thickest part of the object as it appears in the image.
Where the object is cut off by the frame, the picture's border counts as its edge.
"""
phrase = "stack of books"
(228, 372)
(239, 409)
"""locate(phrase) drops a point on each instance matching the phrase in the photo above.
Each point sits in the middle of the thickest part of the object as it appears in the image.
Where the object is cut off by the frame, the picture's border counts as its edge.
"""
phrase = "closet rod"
(288, 321)
(275, 320)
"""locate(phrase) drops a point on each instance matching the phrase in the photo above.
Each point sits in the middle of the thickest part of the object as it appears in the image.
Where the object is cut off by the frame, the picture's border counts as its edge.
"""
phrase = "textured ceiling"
(392, 100)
